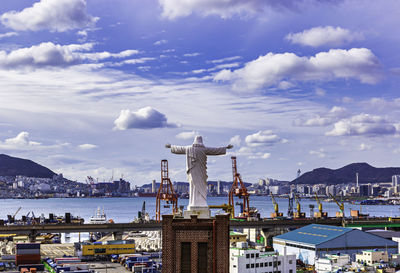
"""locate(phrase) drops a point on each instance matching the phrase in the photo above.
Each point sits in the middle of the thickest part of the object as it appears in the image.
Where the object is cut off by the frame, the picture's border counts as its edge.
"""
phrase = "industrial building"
(313, 241)
(244, 259)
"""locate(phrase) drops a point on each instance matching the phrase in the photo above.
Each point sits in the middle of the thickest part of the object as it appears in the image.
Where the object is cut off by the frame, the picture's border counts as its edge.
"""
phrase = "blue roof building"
(315, 240)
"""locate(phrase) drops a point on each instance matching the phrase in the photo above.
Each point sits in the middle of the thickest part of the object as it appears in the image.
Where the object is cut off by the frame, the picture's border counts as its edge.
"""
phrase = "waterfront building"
(219, 189)
(332, 263)
(153, 186)
(371, 257)
(396, 180)
(365, 190)
(314, 241)
(236, 237)
(330, 190)
(244, 259)
(275, 190)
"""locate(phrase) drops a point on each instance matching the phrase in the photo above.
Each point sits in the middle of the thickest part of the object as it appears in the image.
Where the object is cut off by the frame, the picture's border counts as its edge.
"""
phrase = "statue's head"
(198, 141)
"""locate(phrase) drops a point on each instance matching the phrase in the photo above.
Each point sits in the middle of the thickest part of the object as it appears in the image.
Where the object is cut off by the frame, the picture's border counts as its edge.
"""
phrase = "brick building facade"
(195, 245)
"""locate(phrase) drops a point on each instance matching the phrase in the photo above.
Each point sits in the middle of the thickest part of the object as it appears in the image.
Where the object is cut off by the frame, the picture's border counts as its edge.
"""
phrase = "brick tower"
(195, 245)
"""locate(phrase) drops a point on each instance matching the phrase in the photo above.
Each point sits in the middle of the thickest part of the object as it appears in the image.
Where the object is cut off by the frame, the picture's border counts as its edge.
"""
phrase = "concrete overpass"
(124, 227)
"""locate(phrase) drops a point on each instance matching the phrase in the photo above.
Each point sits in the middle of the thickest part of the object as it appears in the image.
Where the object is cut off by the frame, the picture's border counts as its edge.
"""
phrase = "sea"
(123, 210)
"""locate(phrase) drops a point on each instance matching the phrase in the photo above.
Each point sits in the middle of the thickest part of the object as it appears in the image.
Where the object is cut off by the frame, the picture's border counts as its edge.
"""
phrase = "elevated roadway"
(124, 227)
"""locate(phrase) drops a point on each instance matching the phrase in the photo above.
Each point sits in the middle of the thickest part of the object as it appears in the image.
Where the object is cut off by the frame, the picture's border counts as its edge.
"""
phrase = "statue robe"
(196, 169)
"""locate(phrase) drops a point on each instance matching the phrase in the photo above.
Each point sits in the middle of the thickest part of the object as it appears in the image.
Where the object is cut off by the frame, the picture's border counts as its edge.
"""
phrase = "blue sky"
(94, 87)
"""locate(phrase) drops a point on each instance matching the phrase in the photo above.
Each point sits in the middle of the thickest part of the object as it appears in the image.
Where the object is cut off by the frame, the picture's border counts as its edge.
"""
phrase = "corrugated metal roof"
(314, 234)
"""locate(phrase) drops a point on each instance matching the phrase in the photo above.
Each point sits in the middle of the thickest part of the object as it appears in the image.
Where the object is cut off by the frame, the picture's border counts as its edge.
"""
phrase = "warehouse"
(314, 240)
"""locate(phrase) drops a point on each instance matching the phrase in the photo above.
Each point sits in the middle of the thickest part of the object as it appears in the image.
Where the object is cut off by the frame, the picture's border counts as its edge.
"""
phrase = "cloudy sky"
(97, 87)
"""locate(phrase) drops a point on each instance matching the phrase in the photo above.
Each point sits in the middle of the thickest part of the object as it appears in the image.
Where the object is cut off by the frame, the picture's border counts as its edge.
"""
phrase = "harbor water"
(123, 210)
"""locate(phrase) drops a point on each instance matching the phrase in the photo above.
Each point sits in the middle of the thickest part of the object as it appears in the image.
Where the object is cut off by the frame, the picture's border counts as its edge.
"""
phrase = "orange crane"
(238, 189)
(165, 191)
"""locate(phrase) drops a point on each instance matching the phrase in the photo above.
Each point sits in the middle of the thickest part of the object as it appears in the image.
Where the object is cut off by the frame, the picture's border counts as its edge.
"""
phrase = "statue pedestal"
(201, 212)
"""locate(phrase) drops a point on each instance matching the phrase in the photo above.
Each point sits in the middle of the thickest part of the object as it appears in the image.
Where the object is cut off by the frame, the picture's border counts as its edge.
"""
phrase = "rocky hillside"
(12, 166)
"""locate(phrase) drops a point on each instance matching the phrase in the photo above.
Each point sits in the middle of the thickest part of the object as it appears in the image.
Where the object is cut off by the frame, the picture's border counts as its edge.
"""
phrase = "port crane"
(165, 191)
(292, 195)
(225, 207)
(15, 214)
(341, 207)
(298, 213)
(238, 189)
(275, 214)
(320, 213)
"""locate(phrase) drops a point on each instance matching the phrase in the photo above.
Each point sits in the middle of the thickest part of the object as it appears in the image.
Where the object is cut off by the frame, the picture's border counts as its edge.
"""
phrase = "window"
(261, 264)
(202, 263)
(252, 255)
(279, 263)
(247, 265)
(234, 265)
(257, 255)
(257, 265)
(270, 263)
(186, 257)
(290, 261)
(266, 264)
(291, 271)
(247, 255)
(275, 263)
(252, 265)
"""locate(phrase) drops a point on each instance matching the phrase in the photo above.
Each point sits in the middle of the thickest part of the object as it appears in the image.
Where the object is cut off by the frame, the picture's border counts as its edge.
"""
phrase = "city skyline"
(94, 89)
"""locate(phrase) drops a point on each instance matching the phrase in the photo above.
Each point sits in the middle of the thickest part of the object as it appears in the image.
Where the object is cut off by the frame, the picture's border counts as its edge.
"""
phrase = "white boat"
(99, 217)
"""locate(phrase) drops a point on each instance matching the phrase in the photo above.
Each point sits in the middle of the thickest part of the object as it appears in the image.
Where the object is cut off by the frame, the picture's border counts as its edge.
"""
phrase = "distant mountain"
(347, 174)
(12, 166)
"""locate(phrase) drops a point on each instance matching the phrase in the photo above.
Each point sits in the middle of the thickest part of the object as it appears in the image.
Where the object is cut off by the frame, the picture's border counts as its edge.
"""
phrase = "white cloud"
(135, 61)
(320, 153)
(347, 100)
(223, 60)
(269, 70)
(266, 137)
(252, 154)
(160, 42)
(44, 54)
(144, 118)
(96, 56)
(364, 147)
(363, 124)
(187, 135)
(191, 54)
(53, 15)
(87, 146)
(8, 34)
(55, 55)
(320, 36)
(235, 141)
(224, 8)
(335, 114)
(22, 139)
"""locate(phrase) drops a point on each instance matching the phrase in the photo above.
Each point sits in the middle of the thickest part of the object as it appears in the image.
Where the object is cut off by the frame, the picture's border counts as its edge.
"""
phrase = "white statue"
(196, 169)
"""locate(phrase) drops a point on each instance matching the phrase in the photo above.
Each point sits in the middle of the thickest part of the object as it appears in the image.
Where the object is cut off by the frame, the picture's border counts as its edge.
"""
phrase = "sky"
(97, 88)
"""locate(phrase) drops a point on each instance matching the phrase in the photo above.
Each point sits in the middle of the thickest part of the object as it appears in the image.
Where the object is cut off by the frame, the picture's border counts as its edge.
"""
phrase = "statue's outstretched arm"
(217, 151)
(177, 149)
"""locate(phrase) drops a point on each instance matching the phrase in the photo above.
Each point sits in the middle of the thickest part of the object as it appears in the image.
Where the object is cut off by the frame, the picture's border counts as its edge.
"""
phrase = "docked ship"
(99, 217)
